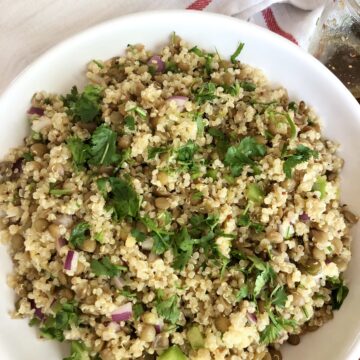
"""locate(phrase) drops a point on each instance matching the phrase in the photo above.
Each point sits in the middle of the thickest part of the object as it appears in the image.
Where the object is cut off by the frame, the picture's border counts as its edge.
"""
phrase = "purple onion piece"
(251, 317)
(60, 242)
(37, 311)
(156, 62)
(179, 100)
(123, 313)
(35, 111)
(304, 217)
(71, 260)
(159, 326)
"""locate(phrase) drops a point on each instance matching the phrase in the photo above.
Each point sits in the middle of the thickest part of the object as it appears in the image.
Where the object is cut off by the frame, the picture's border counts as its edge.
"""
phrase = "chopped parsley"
(104, 267)
(122, 199)
(207, 56)
(243, 154)
(302, 154)
(79, 233)
(130, 122)
(237, 52)
(168, 308)
(66, 314)
(138, 235)
(278, 296)
(339, 292)
(153, 151)
(78, 351)
(222, 142)
(85, 106)
(205, 93)
(242, 293)
(28, 156)
(138, 310)
(79, 151)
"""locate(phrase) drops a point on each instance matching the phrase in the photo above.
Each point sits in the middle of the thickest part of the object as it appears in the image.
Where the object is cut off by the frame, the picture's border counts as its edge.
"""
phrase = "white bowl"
(283, 62)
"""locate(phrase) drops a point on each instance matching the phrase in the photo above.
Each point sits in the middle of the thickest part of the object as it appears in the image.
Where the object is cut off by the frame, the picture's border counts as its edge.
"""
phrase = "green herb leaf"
(153, 151)
(28, 156)
(248, 86)
(103, 146)
(242, 293)
(79, 151)
(254, 193)
(138, 235)
(221, 140)
(104, 267)
(138, 310)
(122, 198)
(339, 292)
(183, 248)
(302, 154)
(130, 122)
(79, 233)
(60, 192)
(237, 52)
(185, 154)
(169, 308)
(278, 297)
(86, 106)
(243, 154)
(78, 351)
(205, 93)
(66, 314)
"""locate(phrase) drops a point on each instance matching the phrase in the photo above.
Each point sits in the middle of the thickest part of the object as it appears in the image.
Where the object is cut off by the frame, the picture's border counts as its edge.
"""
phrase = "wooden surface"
(30, 27)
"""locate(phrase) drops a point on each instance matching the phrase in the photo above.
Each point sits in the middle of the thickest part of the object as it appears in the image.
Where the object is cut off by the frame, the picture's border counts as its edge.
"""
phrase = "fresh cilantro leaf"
(130, 122)
(66, 314)
(205, 93)
(122, 198)
(233, 89)
(243, 154)
(104, 267)
(221, 141)
(86, 106)
(320, 186)
(197, 51)
(207, 56)
(59, 192)
(138, 310)
(301, 155)
(339, 292)
(79, 233)
(237, 52)
(128, 294)
(79, 151)
(242, 293)
(153, 151)
(169, 308)
(183, 248)
(78, 351)
(171, 66)
(185, 155)
(28, 156)
(103, 146)
(248, 86)
(278, 297)
(138, 235)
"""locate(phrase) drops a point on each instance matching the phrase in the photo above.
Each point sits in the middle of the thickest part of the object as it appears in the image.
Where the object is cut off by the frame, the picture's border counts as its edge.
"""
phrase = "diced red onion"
(35, 111)
(65, 220)
(39, 124)
(159, 326)
(304, 217)
(37, 312)
(123, 313)
(157, 63)
(71, 260)
(147, 244)
(118, 282)
(252, 317)
(179, 100)
(60, 242)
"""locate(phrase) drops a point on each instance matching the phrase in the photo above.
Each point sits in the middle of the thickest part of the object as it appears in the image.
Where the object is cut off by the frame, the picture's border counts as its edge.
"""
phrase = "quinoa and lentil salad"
(178, 207)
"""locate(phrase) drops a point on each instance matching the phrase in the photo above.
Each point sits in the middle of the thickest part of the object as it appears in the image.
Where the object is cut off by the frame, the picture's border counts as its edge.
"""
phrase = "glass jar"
(336, 41)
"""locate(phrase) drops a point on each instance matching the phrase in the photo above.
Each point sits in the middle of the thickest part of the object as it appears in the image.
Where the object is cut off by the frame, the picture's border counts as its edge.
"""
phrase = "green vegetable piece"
(172, 353)
(248, 86)
(168, 309)
(129, 122)
(242, 293)
(205, 93)
(339, 292)
(153, 151)
(237, 52)
(254, 193)
(302, 154)
(79, 151)
(138, 310)
(122, 198)
(28, 156)
(320, 185)
(292, 125)
(243, 154)
(103, 149)
(278, 296)
(78, 351)
(79, 233)
(104, 267)
(86, 106)
(60, 192)
(195, 338)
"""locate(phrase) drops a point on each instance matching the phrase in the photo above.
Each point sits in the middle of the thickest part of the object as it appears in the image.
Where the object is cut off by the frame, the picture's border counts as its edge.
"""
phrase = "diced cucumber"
(172, 353)
(254, 193)
(195, 338)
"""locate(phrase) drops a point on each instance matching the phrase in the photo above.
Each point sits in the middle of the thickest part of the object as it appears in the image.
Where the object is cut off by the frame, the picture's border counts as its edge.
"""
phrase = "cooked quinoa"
(179, 207)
